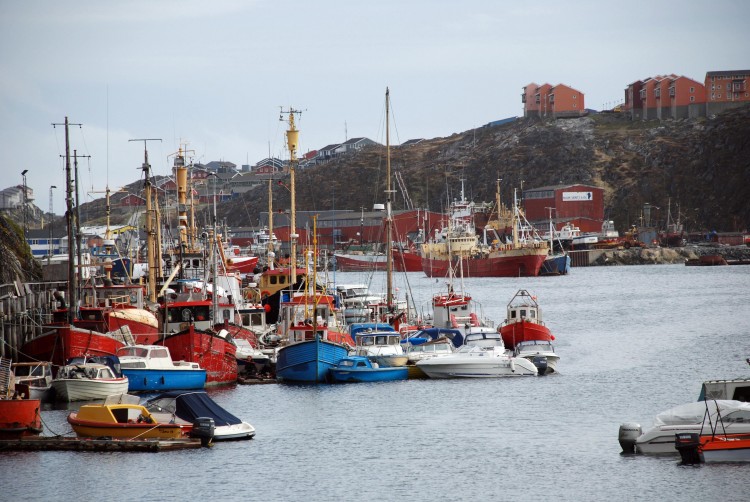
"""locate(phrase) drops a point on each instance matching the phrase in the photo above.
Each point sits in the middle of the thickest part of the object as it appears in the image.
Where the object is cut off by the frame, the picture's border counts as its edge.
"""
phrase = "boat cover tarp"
(427, 334)
(358, 327)
(693, 413)
(190, 405)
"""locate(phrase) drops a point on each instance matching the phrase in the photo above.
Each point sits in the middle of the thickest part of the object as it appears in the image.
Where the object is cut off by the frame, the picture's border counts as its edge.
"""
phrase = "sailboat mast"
(389, 216)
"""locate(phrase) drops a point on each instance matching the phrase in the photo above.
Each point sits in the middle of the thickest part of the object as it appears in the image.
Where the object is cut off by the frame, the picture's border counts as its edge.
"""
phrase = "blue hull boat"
(140, 380)
(361, 369)
(308, 361)
(556, 265)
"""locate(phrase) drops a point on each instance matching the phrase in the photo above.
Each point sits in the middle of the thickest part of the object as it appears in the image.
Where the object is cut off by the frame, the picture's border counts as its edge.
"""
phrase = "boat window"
(532, 314)
(196, 263)
(741, 416)
(381, 340)
(361, 364)
(368, 340)
(523, 313)
(512, 314)
(394, 340)
(159, 353)
(346, 362)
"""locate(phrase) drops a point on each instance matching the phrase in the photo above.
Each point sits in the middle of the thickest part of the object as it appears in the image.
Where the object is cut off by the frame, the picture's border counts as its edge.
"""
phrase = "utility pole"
(72, 278)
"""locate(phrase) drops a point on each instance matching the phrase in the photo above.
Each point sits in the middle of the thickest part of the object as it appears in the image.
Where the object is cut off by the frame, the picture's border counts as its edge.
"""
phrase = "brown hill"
(701, 164)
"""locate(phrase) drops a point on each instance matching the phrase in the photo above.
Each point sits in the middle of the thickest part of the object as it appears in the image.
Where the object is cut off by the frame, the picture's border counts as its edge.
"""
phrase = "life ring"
(265, 294)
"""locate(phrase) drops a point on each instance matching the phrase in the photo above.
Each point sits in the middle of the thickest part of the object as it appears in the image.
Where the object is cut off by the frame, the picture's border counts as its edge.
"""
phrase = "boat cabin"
(523, 307)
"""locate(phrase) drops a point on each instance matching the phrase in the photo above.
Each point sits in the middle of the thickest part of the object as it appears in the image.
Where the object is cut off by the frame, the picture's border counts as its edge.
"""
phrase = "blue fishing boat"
(150, 368)
(361, 369)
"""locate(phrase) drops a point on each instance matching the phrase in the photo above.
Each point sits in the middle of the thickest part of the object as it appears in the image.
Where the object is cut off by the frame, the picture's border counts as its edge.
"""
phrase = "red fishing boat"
(459, 246)
(406, 260)
(19, 416)
(524, 321)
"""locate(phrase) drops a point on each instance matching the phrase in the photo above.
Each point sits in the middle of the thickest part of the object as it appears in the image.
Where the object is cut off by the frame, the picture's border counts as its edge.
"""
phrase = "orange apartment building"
(552, 101)
(687, 98)
(726, 89)
(565, 101)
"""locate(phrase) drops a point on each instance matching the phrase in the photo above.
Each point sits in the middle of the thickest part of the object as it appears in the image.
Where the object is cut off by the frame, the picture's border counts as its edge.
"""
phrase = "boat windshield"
(133, 351)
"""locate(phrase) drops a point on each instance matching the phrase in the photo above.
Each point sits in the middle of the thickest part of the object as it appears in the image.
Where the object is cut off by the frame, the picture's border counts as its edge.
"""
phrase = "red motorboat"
(524, 321)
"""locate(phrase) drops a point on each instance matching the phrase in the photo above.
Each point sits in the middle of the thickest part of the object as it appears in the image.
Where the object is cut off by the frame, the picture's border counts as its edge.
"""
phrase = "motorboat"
(473, 361)
(695, 449)
(124, 418)
(37, 376)
(382, 347)
(434, 348)
(539, 352)
(362, 369)
(151, 368)
(89, 379)
(188, 407)
(524, 321)
(701, 417)
(737, 389)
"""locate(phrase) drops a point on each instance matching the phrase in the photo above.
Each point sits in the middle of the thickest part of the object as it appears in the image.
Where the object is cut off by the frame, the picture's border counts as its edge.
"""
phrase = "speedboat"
(539, 352)
(694, 448)
(122, 418)
(87, 380)
(473, 361)
(701, 417)
(434, 348)
(188, 407)
(361, 369)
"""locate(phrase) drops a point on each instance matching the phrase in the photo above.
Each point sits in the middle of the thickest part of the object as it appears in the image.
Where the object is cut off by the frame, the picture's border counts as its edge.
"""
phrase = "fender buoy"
(264, 293)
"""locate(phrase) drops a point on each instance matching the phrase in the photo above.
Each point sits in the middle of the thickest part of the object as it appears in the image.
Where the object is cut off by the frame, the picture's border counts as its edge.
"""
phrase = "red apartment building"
(552, 101)
(726, 89)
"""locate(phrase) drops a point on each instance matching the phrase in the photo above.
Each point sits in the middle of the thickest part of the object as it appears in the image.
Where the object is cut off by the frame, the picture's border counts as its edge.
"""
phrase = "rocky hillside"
(703, 165)
(16, 262)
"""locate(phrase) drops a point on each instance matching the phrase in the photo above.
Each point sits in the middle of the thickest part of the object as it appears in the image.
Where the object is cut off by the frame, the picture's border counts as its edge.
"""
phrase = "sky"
(212, 75)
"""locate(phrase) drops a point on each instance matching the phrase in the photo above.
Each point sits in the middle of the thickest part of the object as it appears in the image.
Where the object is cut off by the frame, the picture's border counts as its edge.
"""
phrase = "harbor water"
(633, 341)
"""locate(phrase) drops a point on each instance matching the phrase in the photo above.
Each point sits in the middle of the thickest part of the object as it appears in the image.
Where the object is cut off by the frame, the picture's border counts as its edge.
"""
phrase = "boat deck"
(57, 443)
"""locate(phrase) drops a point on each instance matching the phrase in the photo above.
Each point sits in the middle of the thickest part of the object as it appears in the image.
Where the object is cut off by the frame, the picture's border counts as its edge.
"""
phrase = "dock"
(63, 443)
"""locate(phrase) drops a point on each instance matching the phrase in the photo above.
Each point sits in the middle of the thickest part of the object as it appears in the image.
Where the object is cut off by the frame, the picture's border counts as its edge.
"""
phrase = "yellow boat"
(123, 421)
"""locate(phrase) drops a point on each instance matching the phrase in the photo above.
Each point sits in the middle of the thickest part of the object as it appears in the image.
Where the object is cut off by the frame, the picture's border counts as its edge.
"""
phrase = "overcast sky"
(213, 74)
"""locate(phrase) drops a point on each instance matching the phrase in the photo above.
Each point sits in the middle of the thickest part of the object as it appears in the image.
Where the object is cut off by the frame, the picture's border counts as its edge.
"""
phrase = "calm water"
(633, 341)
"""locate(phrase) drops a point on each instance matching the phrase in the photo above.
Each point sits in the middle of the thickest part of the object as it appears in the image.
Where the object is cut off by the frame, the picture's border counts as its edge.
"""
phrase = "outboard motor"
(203, 428)
(541, 364)
(687, 444)
(629, 432)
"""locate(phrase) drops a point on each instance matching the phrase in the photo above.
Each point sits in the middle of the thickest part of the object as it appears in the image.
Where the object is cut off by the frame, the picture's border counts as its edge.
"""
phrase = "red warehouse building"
(582, 205)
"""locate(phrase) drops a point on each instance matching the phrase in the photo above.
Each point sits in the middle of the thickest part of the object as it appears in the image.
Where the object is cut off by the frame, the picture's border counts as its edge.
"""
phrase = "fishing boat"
(88, 379)
(151, 368)
(362, 369)
(359, 262)
(524, 321)
(307, 324)
(459, 241)
(19, 415)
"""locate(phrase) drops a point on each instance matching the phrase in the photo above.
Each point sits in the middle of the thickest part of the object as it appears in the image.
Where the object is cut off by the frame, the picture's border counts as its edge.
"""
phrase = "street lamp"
(25, 223)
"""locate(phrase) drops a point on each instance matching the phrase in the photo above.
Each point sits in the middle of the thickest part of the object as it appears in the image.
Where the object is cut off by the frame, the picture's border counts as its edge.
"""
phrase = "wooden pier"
(63, 443)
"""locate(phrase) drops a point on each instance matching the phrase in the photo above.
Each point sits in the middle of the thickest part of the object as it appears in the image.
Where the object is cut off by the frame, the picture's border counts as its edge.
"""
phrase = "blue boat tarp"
(427, 334)
(358, 327)
(190, 405)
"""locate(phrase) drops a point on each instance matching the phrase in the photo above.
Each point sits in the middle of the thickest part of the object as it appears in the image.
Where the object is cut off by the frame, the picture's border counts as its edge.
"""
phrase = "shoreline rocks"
(658, 255)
